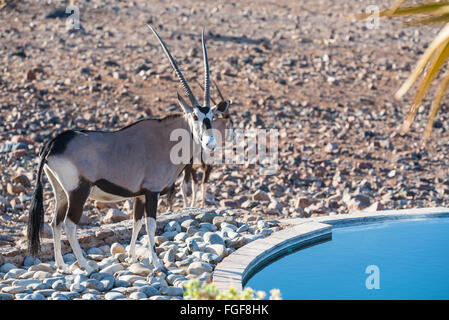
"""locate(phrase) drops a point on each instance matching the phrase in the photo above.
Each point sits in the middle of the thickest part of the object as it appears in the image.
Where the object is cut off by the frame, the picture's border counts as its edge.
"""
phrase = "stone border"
(356, 218)
(234, 270)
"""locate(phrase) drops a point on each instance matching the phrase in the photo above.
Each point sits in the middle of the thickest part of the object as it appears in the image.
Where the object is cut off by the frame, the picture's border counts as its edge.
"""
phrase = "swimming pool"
(390, 260)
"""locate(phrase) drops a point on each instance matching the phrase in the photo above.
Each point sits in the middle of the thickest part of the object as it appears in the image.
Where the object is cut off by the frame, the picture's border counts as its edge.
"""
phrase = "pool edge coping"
(233, 270)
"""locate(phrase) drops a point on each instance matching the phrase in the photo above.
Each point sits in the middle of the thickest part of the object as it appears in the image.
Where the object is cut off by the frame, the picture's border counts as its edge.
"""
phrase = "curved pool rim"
(238, 267)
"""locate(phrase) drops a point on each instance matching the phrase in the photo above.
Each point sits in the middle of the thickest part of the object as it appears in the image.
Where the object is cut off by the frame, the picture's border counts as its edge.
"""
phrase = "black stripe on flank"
(112, 188)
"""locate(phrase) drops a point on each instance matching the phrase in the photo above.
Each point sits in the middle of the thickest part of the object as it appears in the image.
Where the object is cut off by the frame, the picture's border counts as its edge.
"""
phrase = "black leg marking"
(77, 199)
(206, 174)
(194, 175)
(170, 195)
(151, 199)
(187, 172)
(61, 212)
(138, 209)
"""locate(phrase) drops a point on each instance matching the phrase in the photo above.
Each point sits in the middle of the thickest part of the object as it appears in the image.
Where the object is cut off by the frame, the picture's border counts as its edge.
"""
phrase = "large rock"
(7, 267)
(6, 296)
(359, 202)
(172, 226)
(149, 291)
(218, 249)
(192, 245)
(112, 269)
(13, 289)
(169, 256)
(206, 217)
(198, 267)
(131, 278)
(137, 295)
(114, 295)
(158, 240)
(172, 291)
(115, 215)
(213, 238)
(140, 270)
(189, 223)
(303, 202)
(42, 267)
(260, 195)
(218, 220)
(206, 226)
(117, 248)
(14, 273)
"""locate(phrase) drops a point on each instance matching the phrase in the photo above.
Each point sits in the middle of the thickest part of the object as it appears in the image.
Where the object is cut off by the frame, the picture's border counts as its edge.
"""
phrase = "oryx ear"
(184, 105)
(221, 107)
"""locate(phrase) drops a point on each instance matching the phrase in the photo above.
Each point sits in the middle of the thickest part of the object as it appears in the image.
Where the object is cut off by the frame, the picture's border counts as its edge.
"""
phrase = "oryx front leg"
(138, 210)
(151, 199)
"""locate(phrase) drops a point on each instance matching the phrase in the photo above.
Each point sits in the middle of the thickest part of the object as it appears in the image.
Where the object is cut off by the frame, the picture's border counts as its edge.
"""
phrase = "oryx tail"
(36, 212)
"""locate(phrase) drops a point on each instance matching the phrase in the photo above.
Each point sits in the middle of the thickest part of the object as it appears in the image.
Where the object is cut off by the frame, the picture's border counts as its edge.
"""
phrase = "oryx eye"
(195, 117)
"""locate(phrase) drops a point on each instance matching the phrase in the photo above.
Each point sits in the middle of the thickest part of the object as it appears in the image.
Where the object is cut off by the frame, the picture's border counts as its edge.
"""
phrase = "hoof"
(89, 271)
(131, 260)
(64, 269)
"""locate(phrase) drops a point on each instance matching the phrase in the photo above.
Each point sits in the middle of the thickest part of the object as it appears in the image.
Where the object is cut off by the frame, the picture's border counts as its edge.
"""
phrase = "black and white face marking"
(201, 122)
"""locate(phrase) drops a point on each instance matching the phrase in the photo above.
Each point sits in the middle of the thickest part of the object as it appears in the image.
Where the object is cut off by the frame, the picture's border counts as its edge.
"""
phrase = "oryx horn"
(178, 72)
(206, 74)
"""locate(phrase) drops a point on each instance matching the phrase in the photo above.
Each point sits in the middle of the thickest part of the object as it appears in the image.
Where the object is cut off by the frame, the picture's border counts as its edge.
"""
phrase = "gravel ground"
(324, 81)
(189, 248)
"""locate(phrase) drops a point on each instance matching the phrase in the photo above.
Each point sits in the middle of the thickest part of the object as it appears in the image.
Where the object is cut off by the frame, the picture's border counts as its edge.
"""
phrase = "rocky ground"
(189, 247)
(324, 81)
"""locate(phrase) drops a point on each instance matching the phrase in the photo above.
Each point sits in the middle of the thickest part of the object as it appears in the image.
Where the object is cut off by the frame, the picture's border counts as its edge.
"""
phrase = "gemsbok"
(110, 166)
(190, 173)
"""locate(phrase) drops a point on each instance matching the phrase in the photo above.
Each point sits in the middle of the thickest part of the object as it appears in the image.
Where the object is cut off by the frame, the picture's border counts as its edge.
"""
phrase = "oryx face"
(201, 121)
(201, 124)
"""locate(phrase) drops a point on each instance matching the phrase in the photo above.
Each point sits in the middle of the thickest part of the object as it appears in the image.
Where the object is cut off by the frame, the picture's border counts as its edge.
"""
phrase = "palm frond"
(431, 61)
(429, 20)
(436, 104)
(435, 65)
(440, 40)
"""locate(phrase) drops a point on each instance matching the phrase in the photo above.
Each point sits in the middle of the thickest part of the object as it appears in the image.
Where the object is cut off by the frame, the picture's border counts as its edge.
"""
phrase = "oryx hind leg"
(138, 210)
(61, 206)
(184, 184)
(151, 199)
(170, 197)
(205, 179)
(77, 199)
(194, 182)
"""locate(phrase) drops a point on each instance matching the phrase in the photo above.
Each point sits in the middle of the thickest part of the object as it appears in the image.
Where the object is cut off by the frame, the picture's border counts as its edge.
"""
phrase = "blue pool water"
(410, 259)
